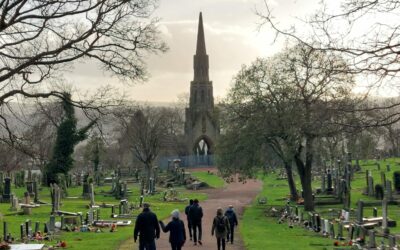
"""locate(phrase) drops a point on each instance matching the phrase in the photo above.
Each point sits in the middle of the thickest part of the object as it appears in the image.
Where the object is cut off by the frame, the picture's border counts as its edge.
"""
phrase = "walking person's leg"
(190, 229)
(219, 243)
(232, 233)
(223, 243)
(194, 225)
(200, 233)
(141, 246)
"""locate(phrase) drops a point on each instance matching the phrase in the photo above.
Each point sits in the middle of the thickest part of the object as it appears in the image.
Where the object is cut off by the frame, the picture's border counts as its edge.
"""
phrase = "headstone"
(385, 228)
(383, 178)
(28, 230)
(392, 242)
(125, 190)
(62, 222)
(27, 210)
(371, 240)
(55, 193)
(360, 210)
(351, 232)
(21, 232)
(36, 192)
(340, 231)
(329, 181)
(91, 194)
(389, 193)
(91, 216)
(370, 186)
(112, 211)
(331, 230)
(37, 225)
(52, 223)
(5, 230)
(15, 203)
(141, 200)
(323, 187)
(7, 190)
(326, 227)
(375, 212)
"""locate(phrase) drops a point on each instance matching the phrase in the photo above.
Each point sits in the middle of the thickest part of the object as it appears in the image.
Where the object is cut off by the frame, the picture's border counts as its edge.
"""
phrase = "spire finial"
(201, 44)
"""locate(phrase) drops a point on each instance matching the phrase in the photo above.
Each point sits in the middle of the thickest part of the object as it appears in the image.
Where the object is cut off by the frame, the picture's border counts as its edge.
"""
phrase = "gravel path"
(237, 194)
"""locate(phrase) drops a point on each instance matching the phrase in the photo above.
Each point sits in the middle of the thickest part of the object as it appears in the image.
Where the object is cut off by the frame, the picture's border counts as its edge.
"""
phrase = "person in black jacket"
(187, 209)
(231, 215)
(176, 227)
(147, 228)
(195, 217)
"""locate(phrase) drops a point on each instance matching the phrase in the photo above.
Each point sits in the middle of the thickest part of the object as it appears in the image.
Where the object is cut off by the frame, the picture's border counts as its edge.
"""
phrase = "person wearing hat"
(176, 227)
(147, 228)
(233, 222)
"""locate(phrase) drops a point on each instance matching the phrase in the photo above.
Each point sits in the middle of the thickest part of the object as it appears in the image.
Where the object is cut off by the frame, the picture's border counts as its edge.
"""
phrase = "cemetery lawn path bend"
(237, 194)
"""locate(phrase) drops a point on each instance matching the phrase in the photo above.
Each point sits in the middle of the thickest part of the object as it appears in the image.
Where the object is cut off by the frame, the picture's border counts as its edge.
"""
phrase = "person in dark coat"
(195, 217)
(176, 227)
(147, 228)
(220, 228)
(233, 222)
(187, 209)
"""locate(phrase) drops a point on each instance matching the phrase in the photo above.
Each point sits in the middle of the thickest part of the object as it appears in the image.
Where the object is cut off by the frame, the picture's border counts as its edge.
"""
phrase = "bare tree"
(41, 39)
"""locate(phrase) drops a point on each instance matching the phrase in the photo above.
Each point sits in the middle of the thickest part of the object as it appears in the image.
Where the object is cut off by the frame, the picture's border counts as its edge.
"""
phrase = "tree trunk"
(292, 185)
(307, 190)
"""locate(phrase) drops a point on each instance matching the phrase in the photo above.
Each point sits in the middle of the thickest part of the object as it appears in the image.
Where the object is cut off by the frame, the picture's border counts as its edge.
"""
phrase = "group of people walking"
(147, 227)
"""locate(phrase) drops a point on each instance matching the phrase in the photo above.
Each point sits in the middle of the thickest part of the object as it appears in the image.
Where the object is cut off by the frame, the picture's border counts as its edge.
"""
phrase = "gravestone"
(331, 230)
(392, 242)
(55, 193)
(52, 223)
(323, 184)
(370, 186)
(27, 201)
(329, 181)
(36, 192)
(7, 190)
(5, 230)
(389, 193)
(351, 233)
(385, 228)
(91, 194)
(396, 181)
(15, 203)
(379, 191)
(371, 240)
(360, 210)
(22, 232)
(340, 231)
(375, 212)
(383, 178)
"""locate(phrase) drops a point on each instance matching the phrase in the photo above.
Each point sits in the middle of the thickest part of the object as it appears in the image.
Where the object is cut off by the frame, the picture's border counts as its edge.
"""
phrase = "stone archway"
(203, 150)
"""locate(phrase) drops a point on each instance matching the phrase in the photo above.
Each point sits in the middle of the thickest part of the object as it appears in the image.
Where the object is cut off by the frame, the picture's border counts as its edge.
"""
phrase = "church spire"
(200, 62)
(201, 43)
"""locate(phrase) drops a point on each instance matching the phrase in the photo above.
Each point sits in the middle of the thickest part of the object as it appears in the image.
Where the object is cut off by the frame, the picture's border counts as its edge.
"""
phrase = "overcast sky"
(232, 39)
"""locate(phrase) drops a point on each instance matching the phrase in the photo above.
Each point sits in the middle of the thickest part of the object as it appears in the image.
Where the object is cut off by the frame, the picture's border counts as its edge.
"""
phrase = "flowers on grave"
(336, 243)
(113, 228)
(62, 244)
(4, 245)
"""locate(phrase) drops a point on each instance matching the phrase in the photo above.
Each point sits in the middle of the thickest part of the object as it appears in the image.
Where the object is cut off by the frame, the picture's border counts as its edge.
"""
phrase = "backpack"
(221, 225)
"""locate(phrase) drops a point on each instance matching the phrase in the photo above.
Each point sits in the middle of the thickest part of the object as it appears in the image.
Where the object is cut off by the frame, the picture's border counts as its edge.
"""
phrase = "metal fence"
(191, 161)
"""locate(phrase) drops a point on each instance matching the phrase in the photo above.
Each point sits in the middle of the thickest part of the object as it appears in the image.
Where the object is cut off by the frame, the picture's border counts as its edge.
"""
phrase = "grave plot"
(348, 214)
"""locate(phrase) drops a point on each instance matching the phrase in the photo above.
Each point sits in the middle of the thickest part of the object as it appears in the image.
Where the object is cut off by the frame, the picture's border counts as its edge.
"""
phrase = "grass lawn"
(211, 179)
(91, 240)
(262, 232)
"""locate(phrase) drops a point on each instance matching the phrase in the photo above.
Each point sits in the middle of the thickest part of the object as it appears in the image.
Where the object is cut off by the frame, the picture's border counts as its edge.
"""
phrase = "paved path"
(237, 194)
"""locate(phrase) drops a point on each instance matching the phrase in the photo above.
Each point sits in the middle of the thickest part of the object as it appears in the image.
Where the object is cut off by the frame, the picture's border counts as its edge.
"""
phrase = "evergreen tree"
(68, 136)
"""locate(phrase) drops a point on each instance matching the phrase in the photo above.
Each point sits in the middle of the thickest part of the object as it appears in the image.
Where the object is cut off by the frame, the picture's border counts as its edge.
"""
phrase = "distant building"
(202, 120)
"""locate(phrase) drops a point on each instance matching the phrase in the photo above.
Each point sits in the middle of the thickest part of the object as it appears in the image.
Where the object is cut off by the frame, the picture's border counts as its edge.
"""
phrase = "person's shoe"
(195, 243)
(200, 243)
(191, 239)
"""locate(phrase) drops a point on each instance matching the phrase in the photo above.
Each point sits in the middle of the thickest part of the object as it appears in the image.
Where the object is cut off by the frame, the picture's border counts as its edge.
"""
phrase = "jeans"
(221, 241)
(147, 245)
(196, 226)
(190, 229)
(175, 246)
(231, 233)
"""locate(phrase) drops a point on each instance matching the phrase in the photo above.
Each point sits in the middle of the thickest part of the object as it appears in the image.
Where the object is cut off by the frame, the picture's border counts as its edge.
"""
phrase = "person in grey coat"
(220, 228)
